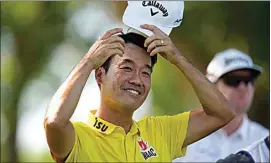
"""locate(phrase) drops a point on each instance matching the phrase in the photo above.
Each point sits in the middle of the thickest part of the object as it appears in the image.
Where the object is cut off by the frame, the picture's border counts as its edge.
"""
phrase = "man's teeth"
(133, 91)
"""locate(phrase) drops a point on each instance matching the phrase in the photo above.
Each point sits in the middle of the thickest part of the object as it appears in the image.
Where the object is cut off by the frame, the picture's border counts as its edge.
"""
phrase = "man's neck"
(234, 125)
(116, 116)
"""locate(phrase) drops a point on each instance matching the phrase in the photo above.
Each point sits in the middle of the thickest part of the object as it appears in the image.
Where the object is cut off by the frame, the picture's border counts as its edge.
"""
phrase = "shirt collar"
(102, 126)
(241, 131)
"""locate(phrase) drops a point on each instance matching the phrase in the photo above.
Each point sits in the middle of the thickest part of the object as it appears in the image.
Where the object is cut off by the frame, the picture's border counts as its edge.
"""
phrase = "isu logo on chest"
(146, 150)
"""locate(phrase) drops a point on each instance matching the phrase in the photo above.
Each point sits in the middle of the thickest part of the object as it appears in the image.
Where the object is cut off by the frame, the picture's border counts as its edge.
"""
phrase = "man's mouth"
(133, 91)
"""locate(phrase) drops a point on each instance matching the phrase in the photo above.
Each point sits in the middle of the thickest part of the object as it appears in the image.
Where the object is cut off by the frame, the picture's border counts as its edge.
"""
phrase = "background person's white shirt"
(218, 145)
(258, 151)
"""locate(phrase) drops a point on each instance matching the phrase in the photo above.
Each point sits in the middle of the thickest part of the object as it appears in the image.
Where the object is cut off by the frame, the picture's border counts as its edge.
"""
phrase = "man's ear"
(99, 75)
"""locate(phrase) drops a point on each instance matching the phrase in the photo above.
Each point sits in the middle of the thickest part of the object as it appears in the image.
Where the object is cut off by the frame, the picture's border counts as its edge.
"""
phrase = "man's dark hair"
(133, 38)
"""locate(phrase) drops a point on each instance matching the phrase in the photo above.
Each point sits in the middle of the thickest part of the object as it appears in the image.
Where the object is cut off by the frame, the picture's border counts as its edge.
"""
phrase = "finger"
(155, 44)
(116, 45)
(158, 50)
(151, 39)
(115, 52)
(111, 32)
(108, 47)
(115, 39)
(152, 28)
(119, 54)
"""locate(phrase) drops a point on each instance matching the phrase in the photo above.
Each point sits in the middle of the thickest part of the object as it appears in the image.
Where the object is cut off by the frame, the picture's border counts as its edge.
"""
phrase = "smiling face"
(127, 82)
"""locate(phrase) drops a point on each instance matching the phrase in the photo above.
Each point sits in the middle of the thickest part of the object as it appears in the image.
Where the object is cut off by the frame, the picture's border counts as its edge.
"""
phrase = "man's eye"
(127, 68)
(146, 73)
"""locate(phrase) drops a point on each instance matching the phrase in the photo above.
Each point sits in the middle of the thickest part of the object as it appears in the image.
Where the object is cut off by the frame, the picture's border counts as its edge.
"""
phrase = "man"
(111, 134)
(234, 75)
(258, 151)
(123, 64)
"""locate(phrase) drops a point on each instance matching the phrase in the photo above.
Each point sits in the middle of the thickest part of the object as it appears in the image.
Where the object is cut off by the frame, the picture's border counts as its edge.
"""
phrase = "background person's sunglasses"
(234, 81)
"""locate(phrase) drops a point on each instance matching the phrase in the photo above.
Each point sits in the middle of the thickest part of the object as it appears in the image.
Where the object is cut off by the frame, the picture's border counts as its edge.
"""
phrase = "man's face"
(238, 88)
(128, 80)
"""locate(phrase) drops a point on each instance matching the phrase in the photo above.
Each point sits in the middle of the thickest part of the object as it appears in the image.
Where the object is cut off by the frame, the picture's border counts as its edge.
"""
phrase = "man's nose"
(243, 86)
(136, 80)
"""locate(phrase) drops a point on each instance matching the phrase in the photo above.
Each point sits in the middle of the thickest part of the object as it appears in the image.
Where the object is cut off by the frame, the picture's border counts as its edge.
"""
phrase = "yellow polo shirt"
(152, 139)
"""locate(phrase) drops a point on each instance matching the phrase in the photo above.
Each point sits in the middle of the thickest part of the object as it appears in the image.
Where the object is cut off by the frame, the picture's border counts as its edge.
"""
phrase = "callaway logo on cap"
(163, 14)
(227, 61)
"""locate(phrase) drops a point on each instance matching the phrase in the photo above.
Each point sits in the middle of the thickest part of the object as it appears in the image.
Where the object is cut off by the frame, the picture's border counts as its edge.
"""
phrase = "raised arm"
(59, 130)
(215, 112)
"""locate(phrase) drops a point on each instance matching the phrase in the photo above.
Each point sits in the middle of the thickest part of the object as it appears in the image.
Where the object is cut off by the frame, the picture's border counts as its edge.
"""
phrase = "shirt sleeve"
(174, 129)
(77, 147)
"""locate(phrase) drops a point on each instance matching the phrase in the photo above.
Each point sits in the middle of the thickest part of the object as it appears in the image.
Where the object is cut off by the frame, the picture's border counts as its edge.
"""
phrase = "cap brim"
(257, 70)
(136, 26)
(148, 32)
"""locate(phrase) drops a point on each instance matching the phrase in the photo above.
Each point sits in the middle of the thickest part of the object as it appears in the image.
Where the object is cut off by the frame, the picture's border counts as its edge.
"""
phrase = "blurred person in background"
(258, 151)
(234, 74)
(123, 65)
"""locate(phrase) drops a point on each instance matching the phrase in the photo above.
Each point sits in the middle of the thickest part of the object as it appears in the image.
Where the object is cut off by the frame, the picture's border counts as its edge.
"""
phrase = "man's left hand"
(160, 43)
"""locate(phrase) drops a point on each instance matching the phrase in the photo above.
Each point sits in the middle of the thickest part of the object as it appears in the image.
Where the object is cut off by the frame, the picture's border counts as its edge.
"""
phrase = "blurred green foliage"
(36, 28)
(207, 28)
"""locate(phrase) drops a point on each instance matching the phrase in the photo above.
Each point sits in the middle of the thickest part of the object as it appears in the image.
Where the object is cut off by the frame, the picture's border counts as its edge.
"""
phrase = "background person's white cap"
(163, 14)
(230, 60)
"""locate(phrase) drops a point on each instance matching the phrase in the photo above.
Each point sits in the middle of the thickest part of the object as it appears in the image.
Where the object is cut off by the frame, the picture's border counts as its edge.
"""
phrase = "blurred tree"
(252, 20)
(37, 28)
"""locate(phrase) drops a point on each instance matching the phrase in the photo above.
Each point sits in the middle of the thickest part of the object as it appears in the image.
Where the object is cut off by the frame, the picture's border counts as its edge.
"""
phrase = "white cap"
(227, 61)
(163, 14)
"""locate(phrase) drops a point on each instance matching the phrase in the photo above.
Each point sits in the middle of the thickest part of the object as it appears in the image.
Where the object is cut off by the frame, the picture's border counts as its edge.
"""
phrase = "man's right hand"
(59, 130)
(109, 44)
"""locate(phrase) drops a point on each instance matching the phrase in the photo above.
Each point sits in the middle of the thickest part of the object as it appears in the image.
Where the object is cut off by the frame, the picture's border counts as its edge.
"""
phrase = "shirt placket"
(129, 148)
(221, 145)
